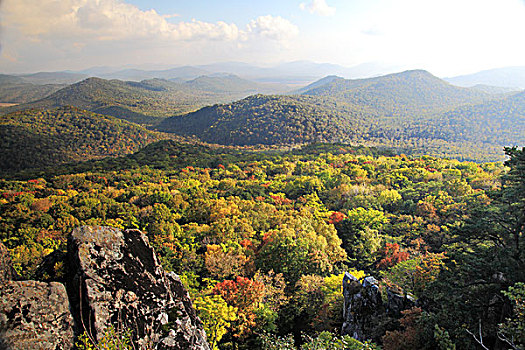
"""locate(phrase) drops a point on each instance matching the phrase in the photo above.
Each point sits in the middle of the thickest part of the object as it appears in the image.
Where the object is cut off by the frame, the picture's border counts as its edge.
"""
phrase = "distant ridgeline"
(411, 112)
(139, 102)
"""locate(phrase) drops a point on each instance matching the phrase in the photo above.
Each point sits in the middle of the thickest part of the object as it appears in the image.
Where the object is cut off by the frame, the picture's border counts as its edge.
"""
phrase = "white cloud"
(117, 20)
(446, 37)
(274, 28)
(104, 19)
(319, 7)
(55, 32)
(172, 15)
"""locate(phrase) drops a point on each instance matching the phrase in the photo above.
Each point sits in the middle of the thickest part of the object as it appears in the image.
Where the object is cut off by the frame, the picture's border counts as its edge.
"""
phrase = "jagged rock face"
(35, 315)
(117, 280)
(365, 314)
(6, 266)
(363, 307)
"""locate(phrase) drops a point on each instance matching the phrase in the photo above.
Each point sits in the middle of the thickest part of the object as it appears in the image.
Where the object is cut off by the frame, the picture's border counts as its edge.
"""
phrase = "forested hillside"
(43, 78)
(262, 239)
(228, 83)
(35, 139)
(412, 112)
(410, 93)
(471, 132)
(270, 120)
(109, 95)
(495, 122)
(146, 101)
(17, 90)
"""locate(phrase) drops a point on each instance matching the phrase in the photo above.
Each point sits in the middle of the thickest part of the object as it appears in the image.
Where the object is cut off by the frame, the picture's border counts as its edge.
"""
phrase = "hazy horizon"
(447, 38)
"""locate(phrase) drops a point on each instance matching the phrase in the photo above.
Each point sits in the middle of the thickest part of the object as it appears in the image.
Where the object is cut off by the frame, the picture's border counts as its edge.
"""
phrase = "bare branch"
(480, 339)
(502, 337)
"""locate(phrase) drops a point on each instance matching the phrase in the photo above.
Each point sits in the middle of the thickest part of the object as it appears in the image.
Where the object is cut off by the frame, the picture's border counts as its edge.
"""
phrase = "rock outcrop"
(365, 313)
(113, 279)
(117, 280)
(34, 315)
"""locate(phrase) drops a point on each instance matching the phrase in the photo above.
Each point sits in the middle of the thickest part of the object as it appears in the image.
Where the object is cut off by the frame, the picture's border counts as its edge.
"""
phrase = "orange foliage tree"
(245, 294)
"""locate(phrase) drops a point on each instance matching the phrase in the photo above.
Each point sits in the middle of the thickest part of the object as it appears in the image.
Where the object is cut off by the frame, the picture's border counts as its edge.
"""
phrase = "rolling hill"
(490, 89)
(34, 138)
(319, 83)
(114, 97)
(229, 83)
(146, 101)
(401, 94)
(438, 119)
(186, 72)
(14, 89)
(412, 111)
(268, 120)
(44, 78)
(495, 122)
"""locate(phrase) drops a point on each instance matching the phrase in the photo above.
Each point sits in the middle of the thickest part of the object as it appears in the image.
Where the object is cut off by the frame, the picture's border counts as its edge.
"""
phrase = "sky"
(445, 37)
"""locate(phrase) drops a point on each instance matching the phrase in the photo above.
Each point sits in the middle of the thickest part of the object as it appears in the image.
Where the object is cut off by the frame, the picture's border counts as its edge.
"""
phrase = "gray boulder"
(363, 308)
(117, 280)
(366, 315)
(35, 315)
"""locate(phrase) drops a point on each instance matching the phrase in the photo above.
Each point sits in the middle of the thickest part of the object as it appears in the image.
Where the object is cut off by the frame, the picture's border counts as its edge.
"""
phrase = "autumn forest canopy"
(260, 198)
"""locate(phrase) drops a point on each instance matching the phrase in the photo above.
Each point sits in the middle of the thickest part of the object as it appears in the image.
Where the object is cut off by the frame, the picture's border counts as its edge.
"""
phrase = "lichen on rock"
(117, 280)
(35, 315)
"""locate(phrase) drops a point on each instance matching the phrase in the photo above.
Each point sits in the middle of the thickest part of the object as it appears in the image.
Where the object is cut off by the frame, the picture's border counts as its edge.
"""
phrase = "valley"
(411, 112)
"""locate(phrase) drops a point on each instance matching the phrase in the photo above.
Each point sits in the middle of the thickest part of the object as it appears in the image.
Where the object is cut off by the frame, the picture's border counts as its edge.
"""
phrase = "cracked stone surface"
(35, 315)
(117, 280)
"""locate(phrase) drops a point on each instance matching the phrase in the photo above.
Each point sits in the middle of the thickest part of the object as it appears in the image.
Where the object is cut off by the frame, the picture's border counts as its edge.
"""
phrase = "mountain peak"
(413, 74)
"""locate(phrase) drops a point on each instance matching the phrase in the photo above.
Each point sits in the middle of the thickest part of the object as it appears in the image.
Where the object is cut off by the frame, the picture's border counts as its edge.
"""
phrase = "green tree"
(512, 331)
(216, 315)
(361, 235)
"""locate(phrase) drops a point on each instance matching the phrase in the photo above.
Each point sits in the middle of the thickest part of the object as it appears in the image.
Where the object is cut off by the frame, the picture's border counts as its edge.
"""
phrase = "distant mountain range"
(15, 89)
(43, 78)
(411, 111)
(184, 73)
(294, 74)
(509, 77)
(143, 102)
(405, 93)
